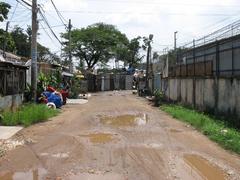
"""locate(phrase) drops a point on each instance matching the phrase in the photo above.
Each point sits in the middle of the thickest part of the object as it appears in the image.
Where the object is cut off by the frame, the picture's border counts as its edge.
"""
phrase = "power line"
(53, 26)
(46, 22)
(166, 3)
(24, 5)
(147, 13)
(14, 12)
(25, 2)
(59, 14)
(44, 29)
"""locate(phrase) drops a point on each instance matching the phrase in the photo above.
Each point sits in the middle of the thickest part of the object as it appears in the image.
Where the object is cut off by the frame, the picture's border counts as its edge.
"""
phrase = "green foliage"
(158, 97)
(21, 41)
(215, 129)
(129, 53)
(54, 80)
(42, 83)
(75, 88)
(96, 43)
(4, 10)
(27, 115)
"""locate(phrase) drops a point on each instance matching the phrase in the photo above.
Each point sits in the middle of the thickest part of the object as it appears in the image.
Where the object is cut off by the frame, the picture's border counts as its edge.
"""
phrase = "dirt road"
(116, 136)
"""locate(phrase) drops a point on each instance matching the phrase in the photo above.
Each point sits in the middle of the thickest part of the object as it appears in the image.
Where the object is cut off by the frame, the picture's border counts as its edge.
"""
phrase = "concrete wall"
(129, 82)
(11, 102)
(209, 94)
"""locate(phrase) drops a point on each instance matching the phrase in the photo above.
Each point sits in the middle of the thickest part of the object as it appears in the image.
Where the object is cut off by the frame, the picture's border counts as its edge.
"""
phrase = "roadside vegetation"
(216, 129)
(28, 114)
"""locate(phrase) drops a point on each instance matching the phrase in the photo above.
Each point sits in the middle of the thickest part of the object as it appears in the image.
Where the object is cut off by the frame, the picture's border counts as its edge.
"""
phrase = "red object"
(51, 89)
(64, 95)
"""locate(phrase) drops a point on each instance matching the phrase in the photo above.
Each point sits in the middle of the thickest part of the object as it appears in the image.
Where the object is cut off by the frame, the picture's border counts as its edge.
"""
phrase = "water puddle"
(175, 130)
(204, 167)
(125, 120)
(35, 174)
(99, 137)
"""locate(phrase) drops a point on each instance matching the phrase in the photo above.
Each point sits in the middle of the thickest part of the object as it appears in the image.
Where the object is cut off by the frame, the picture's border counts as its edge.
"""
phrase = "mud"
(99, 137)
(175, 130)
(125, 120)
(115, 137)
(204, 167)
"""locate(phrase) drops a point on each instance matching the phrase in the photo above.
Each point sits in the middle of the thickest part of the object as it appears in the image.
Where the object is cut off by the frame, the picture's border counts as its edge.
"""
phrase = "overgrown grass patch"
(28, 114)
(217, 130)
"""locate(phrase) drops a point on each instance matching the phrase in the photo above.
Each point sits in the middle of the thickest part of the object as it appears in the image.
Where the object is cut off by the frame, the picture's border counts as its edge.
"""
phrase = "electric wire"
(59, 14)
(14, 11)
(51, 30)
(44, 29)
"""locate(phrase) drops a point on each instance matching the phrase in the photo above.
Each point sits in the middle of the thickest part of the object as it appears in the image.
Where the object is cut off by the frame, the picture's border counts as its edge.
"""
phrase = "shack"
(12, 81)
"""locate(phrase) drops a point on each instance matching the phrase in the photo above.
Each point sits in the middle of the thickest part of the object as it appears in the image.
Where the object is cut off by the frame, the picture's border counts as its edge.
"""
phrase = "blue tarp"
(52, 97)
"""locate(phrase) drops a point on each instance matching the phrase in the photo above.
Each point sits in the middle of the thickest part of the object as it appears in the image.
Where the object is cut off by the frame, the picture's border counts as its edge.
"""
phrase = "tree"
(96, 43)
(4, 36)
(10, 43)
(22, 43)
(22, 40)
(4, 9)
(130, 53)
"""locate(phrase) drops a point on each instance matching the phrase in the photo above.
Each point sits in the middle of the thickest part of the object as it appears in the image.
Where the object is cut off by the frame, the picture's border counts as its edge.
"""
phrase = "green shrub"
(27, 115)
(158, 97)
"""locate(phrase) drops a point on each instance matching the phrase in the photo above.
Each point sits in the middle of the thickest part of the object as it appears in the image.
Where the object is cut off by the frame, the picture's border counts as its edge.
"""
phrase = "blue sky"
(192, 19)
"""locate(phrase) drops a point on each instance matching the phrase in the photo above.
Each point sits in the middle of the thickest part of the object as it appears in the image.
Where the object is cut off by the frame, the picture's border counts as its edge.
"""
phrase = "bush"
(27, 115)
(158, 97)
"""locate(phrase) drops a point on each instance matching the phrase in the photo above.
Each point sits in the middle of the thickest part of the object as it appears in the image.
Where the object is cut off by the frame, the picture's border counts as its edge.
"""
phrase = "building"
(12, 80)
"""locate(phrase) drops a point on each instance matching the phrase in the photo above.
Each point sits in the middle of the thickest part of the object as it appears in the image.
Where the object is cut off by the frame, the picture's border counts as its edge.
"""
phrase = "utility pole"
(175, 40)
(148, 61)
(69, 46)
(34, 50)
(5, 40)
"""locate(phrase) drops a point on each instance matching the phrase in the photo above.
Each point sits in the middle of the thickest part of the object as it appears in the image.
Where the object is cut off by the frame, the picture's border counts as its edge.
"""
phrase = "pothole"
(125, 120)
(99, 137)
(204, 168)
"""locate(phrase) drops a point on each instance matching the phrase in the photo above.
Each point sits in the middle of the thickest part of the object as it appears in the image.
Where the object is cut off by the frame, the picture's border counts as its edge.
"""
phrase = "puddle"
(175, 130)
(35, 174)
(99, 137)
(204, 167)
(125, 120)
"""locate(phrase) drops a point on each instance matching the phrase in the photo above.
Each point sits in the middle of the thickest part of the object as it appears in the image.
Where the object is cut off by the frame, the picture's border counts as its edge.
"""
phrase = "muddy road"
(116, 136)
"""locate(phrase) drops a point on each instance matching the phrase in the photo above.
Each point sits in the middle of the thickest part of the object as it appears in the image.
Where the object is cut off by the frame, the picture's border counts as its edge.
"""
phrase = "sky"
(192, 19)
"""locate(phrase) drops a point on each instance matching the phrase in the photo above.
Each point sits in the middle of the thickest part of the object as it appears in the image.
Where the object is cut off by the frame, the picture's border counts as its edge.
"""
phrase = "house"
(12, 80)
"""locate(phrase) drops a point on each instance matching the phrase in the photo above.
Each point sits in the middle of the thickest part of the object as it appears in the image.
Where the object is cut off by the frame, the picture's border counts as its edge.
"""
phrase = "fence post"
(217, 60)
(232, 54)
(216, 79)
(205, 73)
(194, 80)
(5, 83)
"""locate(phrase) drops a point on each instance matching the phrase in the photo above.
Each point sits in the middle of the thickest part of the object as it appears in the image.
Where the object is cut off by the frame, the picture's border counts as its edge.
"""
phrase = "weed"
(28, 114)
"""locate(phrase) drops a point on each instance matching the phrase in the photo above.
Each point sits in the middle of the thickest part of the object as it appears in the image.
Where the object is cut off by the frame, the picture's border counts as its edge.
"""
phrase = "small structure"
(12, 81)
(49, 69)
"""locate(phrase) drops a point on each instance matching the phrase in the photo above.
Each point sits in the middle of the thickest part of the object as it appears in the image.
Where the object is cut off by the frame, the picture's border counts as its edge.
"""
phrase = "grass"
(28, 114)
(217, 130)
